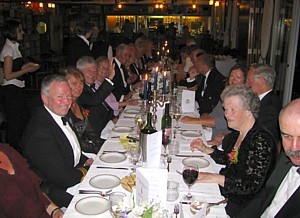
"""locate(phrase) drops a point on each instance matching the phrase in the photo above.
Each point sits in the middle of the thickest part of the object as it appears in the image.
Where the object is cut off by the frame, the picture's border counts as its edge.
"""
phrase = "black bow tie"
(64, 120)
(298, 170)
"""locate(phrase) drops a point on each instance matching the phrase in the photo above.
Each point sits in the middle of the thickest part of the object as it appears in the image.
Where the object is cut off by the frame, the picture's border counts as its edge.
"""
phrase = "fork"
(176, 209)
(169, 160)
(102, 193)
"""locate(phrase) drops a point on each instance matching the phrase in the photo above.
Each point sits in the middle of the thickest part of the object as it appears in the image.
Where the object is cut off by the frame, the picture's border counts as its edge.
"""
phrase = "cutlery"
(132, 138)
(179, 172)
(209, 204)
(121, 152)
(187, 155)
(176, 209)
(115, 137)
(169, 160)
(113, 168)
(102, 193)
(128, 117)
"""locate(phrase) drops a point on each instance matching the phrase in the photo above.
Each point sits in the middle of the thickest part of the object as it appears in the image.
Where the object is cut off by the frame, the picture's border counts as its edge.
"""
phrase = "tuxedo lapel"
(275, 179)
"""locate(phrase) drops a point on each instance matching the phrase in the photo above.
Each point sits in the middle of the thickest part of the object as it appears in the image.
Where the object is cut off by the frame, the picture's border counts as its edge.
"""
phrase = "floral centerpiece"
(143, 210)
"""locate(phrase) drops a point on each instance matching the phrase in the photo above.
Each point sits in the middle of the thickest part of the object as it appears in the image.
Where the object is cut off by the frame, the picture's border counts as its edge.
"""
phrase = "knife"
(186, 155)
(114, 168)
(185, 202)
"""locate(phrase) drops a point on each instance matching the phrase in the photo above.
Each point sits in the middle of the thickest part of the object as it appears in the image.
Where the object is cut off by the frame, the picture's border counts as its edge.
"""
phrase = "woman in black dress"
(248, 153)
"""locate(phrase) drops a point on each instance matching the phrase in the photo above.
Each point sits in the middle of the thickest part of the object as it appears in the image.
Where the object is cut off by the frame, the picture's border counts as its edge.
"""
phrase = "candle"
(155, 79)
(145, 87)
(164, 82)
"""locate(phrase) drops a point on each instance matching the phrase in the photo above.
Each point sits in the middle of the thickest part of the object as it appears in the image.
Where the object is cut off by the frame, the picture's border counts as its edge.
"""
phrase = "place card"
(153, 150)
(151, 185)
(188, 101)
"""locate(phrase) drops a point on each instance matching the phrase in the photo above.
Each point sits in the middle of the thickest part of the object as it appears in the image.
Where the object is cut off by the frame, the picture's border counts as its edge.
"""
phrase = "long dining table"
(206, 192)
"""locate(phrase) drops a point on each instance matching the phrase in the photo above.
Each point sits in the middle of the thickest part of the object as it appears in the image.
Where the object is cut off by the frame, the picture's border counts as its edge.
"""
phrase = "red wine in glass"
(190, 175)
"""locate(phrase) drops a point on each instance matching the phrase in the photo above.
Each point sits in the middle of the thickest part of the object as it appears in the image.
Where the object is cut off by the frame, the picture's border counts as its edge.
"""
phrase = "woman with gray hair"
(248, 151)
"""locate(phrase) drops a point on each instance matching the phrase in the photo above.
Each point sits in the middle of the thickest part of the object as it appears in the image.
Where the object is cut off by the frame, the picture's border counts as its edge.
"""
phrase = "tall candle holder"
(155, 103)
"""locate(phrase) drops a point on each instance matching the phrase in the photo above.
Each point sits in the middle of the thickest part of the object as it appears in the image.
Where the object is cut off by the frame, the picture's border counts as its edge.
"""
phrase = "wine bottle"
(166, 126)
(147, 130)
(149, 92)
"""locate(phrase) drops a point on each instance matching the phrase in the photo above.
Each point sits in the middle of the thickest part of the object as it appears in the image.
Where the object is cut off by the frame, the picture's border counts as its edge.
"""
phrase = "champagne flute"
(190, 175)
(176, 115)
(139, 121)
(135, 153)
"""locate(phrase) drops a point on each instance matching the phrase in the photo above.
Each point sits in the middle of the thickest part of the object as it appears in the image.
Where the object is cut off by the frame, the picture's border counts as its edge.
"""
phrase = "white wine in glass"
(139, 121)
(176, 115)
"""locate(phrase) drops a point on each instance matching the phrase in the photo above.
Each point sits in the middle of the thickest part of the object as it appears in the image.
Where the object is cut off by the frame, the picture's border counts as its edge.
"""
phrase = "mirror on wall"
(41, 27)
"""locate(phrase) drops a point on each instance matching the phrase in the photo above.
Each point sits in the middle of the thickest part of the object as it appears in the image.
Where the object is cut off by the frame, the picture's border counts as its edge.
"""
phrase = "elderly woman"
(103, 67)
(78, 116)
(248, 152)
(216, 119)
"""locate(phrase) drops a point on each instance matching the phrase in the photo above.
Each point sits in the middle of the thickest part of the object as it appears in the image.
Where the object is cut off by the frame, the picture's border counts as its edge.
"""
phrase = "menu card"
(188, 101)
(153, 150)
(151, 186)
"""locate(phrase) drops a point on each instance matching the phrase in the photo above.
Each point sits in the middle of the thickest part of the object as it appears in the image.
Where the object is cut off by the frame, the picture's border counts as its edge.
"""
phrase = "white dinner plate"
(122, 129)
(92, 205)
(190, 134)
(132, 111)
(198, 161)
(112, 157)
(105, 181)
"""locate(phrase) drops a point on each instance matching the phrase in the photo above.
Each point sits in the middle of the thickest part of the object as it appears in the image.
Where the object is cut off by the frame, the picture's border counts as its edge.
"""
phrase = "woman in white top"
(14, 70)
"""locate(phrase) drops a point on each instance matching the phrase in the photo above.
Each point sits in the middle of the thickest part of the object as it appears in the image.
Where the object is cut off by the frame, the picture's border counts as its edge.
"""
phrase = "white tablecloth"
(205, 192)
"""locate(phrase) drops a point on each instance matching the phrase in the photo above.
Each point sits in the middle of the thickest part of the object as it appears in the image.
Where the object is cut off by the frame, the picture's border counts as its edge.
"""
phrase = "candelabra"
(155, 103)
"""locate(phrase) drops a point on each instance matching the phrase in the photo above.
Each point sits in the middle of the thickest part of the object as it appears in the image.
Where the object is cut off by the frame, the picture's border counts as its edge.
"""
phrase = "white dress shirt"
(286, 189)
(70, 134)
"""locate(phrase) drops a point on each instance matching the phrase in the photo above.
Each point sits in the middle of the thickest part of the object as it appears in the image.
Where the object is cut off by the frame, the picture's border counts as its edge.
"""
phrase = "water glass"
(174, 148)
(116, 207)
(172, 191)
(135, 155)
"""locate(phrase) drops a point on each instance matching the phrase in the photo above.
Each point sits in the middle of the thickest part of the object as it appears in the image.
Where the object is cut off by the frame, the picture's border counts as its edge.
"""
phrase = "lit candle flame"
(156, 69)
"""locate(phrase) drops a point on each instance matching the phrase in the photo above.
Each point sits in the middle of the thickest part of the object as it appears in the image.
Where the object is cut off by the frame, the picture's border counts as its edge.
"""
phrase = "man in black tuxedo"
(281, 195)
(50, 144)
(261, 79)
(79, 45)
(92, 99)
(121, 87)
(211, 84)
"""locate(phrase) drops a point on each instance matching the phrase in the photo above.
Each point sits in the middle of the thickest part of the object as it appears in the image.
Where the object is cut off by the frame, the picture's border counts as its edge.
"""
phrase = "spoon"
(196, 206)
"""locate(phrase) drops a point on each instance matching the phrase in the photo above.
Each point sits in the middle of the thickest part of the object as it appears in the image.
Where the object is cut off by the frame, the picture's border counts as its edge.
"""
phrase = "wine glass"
(139, 121)
(176, 115)
(190, 175)
(135, 153)
(118, 205)
(166, 139)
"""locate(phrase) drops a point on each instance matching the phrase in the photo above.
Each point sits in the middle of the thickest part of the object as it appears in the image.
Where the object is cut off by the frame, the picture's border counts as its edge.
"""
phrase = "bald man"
(281, 196)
